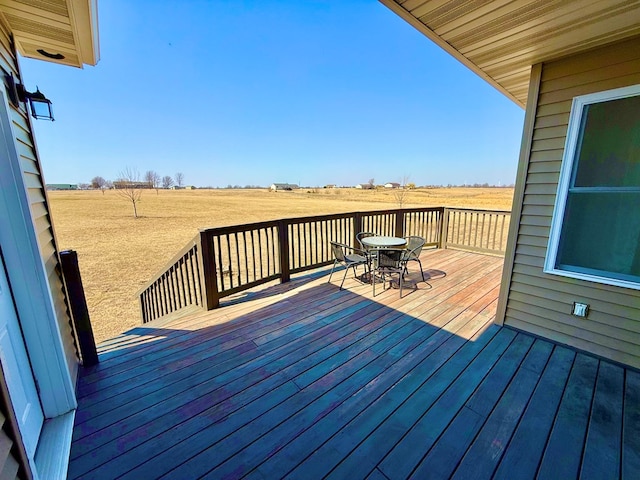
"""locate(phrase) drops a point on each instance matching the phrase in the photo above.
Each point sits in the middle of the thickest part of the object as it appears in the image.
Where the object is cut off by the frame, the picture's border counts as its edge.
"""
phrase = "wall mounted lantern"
(39, 104)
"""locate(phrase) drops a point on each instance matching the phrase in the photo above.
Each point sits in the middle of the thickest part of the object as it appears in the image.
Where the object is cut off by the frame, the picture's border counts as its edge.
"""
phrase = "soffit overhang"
(501, 39)
(67, 28)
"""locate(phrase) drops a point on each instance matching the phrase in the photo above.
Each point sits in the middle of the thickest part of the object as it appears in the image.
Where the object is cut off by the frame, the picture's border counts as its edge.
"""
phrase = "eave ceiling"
(59, 28)
(501, 39)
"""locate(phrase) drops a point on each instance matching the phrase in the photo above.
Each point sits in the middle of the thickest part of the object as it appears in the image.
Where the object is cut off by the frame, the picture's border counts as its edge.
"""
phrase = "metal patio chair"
(412, 252)
(389, 262)
(368, 251)
(360, 236)
(342, 257)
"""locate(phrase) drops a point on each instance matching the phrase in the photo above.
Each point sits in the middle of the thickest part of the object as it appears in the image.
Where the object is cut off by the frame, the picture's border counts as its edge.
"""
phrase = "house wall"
(541, 303)
(34, 183)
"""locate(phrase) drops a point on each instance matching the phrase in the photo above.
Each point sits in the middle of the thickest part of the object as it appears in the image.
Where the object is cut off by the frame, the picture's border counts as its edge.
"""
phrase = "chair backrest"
(360, 236)
(414, 246)
(389, 258)
(338, 251)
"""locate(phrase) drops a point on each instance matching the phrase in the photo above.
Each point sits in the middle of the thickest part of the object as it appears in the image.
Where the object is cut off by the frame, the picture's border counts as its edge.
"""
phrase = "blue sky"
(256, 92)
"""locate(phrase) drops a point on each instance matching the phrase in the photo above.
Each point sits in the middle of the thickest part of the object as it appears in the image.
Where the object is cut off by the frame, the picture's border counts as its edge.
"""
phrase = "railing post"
(399, 228)
(78, 306)
(357, 228)
(208, 274)
(283, 241)
(444, 228)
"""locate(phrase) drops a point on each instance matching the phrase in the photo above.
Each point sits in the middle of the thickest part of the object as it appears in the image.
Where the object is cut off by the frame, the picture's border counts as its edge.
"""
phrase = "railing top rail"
(478, 210)
(238, 228)
(294, 220)
(420, 209)
(192, 243)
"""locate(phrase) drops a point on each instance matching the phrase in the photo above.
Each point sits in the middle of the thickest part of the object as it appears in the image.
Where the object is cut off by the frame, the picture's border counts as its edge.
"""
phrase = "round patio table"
(384, 242)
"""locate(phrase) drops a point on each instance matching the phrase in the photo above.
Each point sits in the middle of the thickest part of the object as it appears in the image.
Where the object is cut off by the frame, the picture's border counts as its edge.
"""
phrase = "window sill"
(593, 278)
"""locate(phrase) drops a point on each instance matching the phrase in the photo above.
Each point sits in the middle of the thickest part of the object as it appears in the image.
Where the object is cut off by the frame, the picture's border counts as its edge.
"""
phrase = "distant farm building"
(365, 186)
(62, 186)
(392, 185)
(121, 184)
(278, 187)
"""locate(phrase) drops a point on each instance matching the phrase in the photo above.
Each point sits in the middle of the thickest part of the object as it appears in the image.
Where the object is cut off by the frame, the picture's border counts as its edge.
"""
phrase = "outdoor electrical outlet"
(580, 309)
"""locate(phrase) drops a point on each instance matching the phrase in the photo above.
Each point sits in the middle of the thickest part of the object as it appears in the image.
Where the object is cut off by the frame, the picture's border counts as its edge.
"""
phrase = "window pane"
(601, 231)
(609, 154)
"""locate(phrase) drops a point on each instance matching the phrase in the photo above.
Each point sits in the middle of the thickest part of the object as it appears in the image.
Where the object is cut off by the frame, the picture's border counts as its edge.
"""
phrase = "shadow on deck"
(309, 381)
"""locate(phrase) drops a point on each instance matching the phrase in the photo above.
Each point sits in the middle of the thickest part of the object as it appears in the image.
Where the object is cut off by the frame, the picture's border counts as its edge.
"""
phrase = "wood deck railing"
(219, 262)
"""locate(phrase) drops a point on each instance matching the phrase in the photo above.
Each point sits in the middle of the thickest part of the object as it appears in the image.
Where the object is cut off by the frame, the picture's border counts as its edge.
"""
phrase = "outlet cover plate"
(580, 309)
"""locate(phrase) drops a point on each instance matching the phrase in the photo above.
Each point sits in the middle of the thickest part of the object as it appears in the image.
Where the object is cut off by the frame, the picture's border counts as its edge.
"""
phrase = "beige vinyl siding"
(541, 303)
(32, 174)
(9, 464)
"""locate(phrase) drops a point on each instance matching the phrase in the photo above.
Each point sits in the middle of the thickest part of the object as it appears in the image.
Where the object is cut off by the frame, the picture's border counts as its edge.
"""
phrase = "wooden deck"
(304, 380)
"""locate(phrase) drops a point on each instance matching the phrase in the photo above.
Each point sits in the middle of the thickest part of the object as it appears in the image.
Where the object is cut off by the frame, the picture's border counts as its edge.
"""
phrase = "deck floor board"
(304, 380)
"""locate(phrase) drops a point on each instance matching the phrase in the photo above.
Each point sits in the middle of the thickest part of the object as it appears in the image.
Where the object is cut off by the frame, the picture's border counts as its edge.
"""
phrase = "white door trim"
(28, 279)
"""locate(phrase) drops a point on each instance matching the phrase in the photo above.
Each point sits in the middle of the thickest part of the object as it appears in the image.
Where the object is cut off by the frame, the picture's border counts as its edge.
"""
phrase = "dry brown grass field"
(118, 254)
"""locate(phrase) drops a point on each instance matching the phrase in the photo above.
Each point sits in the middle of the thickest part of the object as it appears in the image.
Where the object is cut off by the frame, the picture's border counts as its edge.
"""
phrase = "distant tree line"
(130, 178)
(129, 186)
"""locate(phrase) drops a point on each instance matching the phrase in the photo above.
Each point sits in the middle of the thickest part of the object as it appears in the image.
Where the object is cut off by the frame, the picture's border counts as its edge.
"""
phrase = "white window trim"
(573, 133)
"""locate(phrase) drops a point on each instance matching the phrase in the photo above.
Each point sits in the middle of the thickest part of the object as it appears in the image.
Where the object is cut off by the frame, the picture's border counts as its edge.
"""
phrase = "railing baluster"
(146, 315)
(189, 275)
(158, 288)
(175, 291)
(165, 301)
(275, 250)
(246, 259)
(173, 304)
(176, 282)
(252, 249)
(167, 282)
(268, 250)
(184, 279)
(260, 250)
(180, 292)
(197, 277)
(302, 244)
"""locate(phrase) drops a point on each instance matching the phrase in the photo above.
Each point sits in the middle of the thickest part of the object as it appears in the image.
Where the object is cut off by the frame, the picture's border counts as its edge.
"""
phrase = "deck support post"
(357, 228)
(283, 243)
(444, 229)
(208, 274)
(399, 227)
(78, 307)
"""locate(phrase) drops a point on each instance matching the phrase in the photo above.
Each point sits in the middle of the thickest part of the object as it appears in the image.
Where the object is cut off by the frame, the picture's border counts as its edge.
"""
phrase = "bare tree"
(167, 181)
(128, 187)
(153, 179)
(372, 183)
(99, 182)
(179, 178)
(400, 194)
